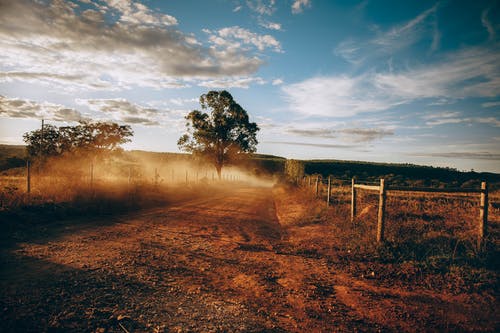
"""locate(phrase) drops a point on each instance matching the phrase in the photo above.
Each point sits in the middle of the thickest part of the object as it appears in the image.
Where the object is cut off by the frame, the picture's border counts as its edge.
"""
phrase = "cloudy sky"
(387, 81)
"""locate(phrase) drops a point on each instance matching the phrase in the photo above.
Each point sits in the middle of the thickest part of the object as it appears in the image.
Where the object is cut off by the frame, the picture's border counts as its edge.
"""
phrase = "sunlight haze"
(384, 81)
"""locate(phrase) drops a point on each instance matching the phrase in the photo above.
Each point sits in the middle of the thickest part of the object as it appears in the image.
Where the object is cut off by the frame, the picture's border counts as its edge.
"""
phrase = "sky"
(385, 81)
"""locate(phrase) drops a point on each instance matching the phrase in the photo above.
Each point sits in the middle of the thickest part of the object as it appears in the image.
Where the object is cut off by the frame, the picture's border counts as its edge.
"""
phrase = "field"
(168, 248)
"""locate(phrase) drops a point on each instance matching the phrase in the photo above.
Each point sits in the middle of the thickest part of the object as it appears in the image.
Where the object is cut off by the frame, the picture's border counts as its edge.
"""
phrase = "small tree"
(43, 143)
(221, 135)
(99, 136)
(89, 137)
(294, 169)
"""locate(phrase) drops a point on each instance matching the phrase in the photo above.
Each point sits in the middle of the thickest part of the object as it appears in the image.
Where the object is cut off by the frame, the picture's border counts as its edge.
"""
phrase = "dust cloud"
(128, 176)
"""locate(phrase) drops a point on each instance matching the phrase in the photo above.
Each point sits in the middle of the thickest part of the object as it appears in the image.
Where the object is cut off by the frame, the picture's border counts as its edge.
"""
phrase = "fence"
(87, 178)
(169, 175)
(382, 188)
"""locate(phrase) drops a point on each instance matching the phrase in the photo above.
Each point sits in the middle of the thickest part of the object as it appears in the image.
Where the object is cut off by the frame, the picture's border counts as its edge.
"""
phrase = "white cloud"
(441, 115)
(487, 24)
(351, 135)
(137, 13)
(392, 40)
(407, 33)
(277, 82)
(473, 72)
(436, 37)
(311, 144)
(490, 104)
(262, 7)
(487, 120)
(234, 82)
(265, 8)
(336, 96)
(454, 117)
(57, 44)
(325, 133)
(444, 121)
(298, 6)
(19, 108)
(124, 111)
(78, 80)
(118, 110)
(234, 38)
(270, 25)
(182, 101)
(359, 135)
(266, 122)
(351, 51)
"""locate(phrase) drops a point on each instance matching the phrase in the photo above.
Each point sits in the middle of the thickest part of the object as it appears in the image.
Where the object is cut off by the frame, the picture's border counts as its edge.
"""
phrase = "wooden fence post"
(329, 190)
(187, 177)
(28, 177)
(309, 177)
(92, 176)
(353, 200)
(317, 186)
(381, 212)
(483, 215)
(129, 176)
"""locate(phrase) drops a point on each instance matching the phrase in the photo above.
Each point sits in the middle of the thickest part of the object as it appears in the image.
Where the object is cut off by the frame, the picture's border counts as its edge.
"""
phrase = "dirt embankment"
(242, 260)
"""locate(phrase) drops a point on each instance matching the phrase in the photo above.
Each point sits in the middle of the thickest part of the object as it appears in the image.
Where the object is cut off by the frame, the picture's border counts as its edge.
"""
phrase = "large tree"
(221, 132)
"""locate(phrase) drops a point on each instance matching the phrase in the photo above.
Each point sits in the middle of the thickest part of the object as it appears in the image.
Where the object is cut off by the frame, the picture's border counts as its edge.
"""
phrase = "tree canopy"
(86, 136)
(221, 133)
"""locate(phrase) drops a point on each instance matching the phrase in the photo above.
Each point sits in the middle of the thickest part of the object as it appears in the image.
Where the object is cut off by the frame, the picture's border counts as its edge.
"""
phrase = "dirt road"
(227, 262)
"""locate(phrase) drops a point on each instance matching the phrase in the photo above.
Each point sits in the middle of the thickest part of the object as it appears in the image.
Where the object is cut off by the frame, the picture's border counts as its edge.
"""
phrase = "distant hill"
(258, 163)
(157, 156)
(12, 156)
(397, 173)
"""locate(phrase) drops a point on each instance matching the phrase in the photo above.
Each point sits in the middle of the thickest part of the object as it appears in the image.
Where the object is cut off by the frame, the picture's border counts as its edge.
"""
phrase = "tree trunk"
(219, 160)
(219, 170)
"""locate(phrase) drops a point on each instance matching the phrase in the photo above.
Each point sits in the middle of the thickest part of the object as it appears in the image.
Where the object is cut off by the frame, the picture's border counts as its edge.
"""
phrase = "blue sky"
(386, 81)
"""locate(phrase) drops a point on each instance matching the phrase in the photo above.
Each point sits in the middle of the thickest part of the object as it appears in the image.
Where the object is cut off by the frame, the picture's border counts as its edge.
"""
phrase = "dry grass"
(58, 194)
(70, 187)
(431, 238)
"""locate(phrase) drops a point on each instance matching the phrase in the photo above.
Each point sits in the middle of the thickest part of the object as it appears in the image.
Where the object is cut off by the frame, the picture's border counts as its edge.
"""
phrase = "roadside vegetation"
(431, 240)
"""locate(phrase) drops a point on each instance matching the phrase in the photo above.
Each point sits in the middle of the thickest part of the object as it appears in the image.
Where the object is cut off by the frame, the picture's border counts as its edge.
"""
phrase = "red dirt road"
(233, 261)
